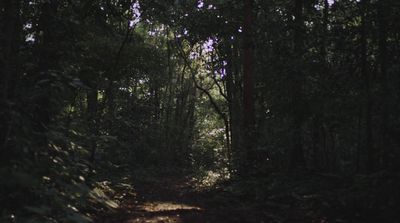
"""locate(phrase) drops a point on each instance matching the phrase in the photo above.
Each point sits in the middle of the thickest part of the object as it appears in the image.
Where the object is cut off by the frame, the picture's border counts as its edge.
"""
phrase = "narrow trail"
(173, 200)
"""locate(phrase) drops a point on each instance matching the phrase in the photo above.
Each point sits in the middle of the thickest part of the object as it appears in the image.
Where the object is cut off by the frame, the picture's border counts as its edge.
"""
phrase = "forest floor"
(175, 199)
(275, 199)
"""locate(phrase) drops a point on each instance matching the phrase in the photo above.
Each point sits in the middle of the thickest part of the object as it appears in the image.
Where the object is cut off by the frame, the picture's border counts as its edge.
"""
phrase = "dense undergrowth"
(279, 197)
(322, 197)
(244, 101)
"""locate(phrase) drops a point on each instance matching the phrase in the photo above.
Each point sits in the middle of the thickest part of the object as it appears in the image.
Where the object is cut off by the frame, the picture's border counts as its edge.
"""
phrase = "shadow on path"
(173, 201)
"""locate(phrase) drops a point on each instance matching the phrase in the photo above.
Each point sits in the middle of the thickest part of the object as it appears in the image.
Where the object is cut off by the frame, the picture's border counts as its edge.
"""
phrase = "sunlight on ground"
(165, 212)
(157, 219)
(165, 206)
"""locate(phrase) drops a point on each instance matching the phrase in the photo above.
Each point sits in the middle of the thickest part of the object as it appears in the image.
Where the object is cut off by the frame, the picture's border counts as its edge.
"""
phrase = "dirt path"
(173, 201)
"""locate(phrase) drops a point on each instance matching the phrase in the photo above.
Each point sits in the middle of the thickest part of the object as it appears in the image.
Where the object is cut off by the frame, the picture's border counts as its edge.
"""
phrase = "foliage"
(95, 93)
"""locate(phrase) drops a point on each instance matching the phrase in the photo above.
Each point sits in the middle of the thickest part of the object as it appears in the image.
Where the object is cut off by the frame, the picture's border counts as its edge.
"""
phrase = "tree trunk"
(232, 92)
(10, 39)
(297, 159)
(385, 94)
(92, 109)
(47, 62)
(248, 82)
(325, 23)
(237, 105)
(371, 153)
(168, 107)
(110, 107)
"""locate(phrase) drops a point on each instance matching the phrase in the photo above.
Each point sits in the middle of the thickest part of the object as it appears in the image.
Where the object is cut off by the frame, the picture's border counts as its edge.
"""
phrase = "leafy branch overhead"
(199, 111)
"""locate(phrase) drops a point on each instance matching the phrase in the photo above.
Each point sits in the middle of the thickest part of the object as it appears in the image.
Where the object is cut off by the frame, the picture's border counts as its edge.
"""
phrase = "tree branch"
(211, 99)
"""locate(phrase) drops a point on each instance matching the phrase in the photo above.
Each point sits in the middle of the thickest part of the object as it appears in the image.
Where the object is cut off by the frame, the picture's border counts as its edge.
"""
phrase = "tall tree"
(383, 15)
(248, 81)
(366, 74)
(10, 40)
(47, 64)
(297, 158)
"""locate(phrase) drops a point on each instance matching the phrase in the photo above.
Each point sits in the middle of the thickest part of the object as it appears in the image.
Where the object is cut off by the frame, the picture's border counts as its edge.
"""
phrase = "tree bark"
(92, 109)
(248, 82)
(232, 92)
(297, 159)
(10, 40)
(325, 23)
(47, 62)
(385, 93)
(371, 153)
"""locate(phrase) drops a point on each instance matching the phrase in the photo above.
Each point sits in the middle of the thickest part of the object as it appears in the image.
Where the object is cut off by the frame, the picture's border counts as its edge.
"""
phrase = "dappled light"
(165, 206)
(199, 111)
(210, 179)
(157, 219)
(156, 212)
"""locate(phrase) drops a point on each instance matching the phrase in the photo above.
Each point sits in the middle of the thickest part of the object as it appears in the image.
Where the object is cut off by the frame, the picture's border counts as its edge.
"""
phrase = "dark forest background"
(291, 98)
